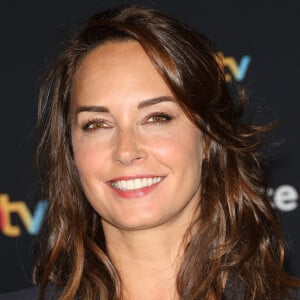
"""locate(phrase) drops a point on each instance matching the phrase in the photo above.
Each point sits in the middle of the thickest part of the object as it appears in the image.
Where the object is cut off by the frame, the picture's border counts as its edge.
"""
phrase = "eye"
(96, 124)
(159, 118)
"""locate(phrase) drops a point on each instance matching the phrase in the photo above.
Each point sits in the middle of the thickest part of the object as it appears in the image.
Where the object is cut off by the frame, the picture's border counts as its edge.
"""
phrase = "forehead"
(117, 69)
(111, 55)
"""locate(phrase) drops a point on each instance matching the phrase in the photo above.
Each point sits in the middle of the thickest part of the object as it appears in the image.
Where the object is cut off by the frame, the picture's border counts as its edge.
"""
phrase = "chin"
(136, 222)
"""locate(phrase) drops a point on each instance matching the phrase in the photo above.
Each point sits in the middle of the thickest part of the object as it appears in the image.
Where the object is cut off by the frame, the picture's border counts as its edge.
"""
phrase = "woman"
(154, 183)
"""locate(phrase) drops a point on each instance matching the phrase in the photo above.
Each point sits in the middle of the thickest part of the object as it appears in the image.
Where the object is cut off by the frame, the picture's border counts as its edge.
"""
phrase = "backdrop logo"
(284, 198)
(234, 69)
(32, 222)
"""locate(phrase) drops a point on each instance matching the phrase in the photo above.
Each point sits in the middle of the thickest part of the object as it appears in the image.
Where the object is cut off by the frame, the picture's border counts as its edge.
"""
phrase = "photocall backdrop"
(260, 45)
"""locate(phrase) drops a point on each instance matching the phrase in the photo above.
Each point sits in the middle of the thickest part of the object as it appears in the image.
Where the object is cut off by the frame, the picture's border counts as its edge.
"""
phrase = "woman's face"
(137, 154)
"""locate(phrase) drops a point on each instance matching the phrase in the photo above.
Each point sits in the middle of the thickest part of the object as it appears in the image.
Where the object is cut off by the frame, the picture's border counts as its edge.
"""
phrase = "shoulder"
(31, 293)
(294, 294)
(235, 290)
(26, 294)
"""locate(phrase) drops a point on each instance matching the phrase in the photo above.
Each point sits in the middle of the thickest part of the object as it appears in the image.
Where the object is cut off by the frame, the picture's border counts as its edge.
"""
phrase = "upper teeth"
(135, 184)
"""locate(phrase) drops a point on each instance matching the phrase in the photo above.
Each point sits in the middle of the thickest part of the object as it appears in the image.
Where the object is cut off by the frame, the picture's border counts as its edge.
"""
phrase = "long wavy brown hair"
(237, 237)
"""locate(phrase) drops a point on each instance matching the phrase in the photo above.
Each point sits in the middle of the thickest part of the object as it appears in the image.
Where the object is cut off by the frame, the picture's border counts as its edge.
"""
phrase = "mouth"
(135, 184)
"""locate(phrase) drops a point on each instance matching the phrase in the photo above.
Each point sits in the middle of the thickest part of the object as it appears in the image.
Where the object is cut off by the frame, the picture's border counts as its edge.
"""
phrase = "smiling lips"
(134, 187)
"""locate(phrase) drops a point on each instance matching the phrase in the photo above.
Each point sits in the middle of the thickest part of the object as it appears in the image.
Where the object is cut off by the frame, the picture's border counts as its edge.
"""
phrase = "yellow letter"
(18, 207)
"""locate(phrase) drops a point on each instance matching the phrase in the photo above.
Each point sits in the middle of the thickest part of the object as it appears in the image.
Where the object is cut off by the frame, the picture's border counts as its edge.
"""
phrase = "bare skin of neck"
(147, 261)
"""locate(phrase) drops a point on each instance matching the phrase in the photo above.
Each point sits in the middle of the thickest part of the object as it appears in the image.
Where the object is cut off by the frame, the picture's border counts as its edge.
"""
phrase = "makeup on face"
(138, 156)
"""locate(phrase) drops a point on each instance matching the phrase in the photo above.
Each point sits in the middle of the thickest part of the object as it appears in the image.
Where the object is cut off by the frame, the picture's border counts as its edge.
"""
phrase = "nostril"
(129, 159)
(128, 148)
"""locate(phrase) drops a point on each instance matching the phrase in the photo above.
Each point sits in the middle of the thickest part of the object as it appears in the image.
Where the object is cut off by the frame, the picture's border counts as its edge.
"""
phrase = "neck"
(147, 260)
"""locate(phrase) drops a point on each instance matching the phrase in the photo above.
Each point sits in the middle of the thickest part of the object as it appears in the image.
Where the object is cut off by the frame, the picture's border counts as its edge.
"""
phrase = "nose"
(128, 147)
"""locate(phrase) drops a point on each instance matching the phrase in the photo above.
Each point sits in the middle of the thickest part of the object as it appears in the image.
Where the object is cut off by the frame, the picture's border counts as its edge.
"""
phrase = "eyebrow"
(153, 101)
(142, 104)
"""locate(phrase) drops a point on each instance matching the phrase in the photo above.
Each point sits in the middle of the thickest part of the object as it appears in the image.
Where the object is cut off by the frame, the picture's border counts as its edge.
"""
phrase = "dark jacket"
(32, 293)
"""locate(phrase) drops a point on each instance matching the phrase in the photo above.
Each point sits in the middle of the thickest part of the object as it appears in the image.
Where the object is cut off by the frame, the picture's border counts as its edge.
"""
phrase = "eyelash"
(97, 123)
(160, 118)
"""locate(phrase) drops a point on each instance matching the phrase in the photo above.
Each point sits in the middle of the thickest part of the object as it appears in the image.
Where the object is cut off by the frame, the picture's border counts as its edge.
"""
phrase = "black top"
(32, 293)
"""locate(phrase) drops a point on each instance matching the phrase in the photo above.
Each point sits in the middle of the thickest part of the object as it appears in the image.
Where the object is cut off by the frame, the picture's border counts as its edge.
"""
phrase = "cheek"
(88, 155)
(182, 149)
(176, 149)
